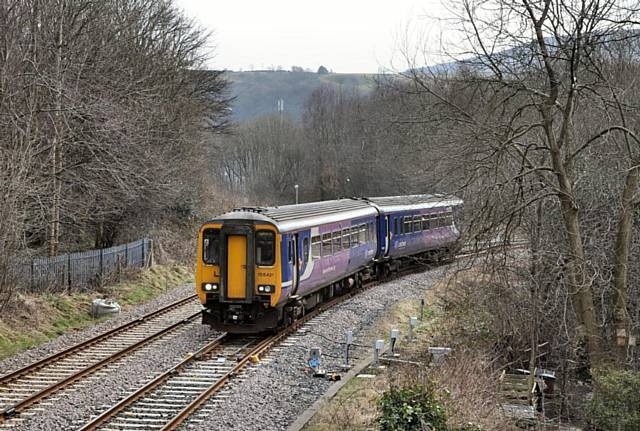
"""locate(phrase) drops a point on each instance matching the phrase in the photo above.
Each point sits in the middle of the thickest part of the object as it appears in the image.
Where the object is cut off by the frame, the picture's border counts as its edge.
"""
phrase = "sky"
(345, 36)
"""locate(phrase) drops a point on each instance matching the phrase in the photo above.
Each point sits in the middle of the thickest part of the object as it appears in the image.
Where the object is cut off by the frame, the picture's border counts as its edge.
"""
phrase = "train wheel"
(358, 281)
(386, 271)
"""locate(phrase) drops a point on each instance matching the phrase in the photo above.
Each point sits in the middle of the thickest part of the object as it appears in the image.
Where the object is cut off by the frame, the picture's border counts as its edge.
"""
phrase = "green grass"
(36, 319)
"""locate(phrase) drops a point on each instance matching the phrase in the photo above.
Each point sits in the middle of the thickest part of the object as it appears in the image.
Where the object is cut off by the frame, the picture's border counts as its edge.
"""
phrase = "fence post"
(31, 275)
(101, 273)
(69, 272)
(143, 259)
(126, 255)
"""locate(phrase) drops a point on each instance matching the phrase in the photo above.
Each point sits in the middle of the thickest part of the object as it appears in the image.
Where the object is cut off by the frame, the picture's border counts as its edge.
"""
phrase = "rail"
(28, 376)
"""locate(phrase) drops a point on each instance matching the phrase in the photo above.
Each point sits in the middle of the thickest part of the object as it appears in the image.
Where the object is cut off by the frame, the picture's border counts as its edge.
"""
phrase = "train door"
(387, 240)
(295, 273)
(236, 266)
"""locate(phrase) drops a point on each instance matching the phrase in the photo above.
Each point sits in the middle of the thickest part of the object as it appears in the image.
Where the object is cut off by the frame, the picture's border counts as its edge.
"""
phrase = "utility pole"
(281, 110)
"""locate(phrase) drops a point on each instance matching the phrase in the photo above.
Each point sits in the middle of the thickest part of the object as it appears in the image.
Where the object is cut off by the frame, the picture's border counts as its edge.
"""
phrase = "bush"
(412, 408)
(616, 401)
(468, 427)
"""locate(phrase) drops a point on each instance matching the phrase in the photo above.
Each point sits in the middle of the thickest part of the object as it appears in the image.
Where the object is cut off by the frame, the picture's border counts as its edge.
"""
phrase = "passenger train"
(260, 268)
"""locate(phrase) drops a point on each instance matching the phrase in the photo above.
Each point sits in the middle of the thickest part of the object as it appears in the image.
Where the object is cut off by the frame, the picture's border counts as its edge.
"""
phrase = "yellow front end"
(238, 271)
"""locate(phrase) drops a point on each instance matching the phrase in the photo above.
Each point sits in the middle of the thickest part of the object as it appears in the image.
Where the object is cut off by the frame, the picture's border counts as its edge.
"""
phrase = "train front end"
(238, 278)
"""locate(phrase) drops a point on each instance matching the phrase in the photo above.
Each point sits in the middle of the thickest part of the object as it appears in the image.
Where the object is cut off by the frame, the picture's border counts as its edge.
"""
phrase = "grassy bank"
(32, 319)
(466, 386)
(355, 406)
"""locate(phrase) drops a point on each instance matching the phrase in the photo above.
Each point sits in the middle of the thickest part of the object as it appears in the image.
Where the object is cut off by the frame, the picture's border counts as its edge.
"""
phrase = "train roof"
(293, 217)
(389, 204)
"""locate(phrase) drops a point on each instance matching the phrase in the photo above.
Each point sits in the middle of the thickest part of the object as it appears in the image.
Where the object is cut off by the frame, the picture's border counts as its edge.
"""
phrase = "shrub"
(616, 401)
(468, 427)
(412, 408)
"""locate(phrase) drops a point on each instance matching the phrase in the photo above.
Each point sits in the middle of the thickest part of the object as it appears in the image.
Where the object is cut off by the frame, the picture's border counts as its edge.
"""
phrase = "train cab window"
(372, 232)
(345, 239)
(315, 248)
(305, 250)
(326, 244)
(417, 223)
(354, 237)
(265, 248)
(211, 246)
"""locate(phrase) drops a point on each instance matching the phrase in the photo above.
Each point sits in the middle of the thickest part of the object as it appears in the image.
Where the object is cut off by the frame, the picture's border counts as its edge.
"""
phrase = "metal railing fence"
(85, 269)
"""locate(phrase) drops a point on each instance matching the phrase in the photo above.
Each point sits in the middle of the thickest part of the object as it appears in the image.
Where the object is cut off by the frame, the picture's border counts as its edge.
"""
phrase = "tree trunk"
(621, 320)
(579, 291)
(56, 155)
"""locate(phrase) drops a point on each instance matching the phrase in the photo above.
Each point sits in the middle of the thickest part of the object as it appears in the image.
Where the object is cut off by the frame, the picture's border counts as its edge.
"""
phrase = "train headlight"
(210, 287)
(266, 288)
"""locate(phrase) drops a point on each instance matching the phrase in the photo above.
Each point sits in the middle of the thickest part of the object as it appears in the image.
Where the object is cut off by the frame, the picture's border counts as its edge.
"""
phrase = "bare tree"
(104, 112)
(530, 68)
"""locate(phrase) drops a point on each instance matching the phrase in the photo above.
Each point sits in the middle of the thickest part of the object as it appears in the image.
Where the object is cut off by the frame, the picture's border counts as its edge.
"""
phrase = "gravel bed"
(272, 394)
(69, 339)
(269, 396)
(74, 406)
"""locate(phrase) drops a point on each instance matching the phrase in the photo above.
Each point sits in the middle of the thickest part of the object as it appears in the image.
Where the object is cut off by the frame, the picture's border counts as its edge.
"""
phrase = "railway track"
(21, 389)
(167, 401)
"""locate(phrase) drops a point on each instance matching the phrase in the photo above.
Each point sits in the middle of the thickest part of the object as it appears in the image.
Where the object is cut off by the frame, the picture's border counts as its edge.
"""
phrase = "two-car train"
(261, 268)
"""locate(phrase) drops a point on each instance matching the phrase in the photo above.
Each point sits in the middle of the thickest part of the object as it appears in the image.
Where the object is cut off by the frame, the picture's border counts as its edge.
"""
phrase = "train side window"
(396, 230)
(265, 248)
(290, 251)
(345, 239)
(315, 248)
(425, 222)
(305, 250)
(337, 241)
(407, 224)
(362, 234)
(211, 246)
(417, 224)
(354, 236)
(326, 244)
